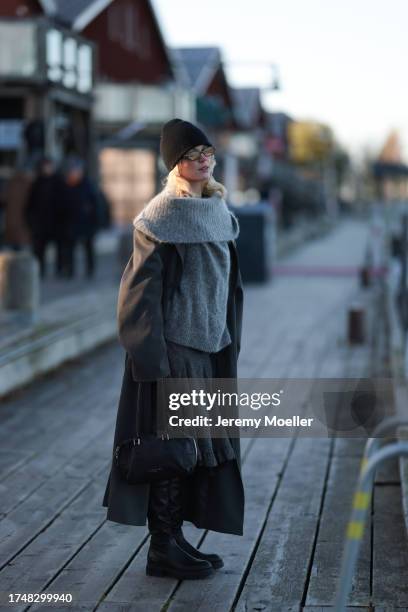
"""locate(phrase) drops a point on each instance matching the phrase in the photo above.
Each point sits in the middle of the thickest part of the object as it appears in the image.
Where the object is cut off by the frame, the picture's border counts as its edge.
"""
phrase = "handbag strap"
(139, 412)
(138, 415)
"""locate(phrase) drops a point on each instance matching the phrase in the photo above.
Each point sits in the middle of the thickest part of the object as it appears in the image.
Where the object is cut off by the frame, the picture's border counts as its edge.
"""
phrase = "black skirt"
(188, 362)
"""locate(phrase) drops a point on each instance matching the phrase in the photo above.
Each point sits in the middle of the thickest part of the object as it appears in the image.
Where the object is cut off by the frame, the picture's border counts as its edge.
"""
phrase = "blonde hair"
(179, 187)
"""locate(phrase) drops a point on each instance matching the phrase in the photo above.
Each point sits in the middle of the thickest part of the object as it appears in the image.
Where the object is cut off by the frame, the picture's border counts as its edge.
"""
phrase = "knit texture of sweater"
(197, 313)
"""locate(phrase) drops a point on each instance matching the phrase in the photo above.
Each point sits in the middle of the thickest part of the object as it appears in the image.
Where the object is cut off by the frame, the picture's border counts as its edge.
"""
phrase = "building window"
(84, 69)
(54, 55)
(70, 57)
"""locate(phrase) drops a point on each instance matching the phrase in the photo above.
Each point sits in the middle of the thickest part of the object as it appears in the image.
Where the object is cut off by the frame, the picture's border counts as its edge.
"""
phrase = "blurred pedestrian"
(78, 215)
(16, 232)
(40, 212)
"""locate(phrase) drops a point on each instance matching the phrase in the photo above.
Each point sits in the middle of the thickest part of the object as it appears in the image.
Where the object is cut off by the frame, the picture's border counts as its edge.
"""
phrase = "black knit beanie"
(177, 137)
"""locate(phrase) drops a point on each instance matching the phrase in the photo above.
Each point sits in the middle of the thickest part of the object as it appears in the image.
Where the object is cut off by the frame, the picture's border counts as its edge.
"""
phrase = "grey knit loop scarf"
(196, 316)
(187, 220)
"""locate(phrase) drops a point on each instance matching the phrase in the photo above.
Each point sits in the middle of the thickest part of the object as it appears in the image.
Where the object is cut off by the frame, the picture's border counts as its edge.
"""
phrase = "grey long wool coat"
(213, 499)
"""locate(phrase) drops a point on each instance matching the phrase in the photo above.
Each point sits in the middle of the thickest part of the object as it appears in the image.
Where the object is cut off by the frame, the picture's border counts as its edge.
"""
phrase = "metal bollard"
(20, 284)
(365, 276)
(356, 325)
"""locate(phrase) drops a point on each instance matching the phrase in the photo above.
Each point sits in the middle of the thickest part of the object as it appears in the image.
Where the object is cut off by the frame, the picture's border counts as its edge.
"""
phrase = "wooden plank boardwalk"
(55, 445)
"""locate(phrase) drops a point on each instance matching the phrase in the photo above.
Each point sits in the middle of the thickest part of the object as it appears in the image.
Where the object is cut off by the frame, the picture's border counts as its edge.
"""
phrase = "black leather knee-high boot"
(177, 522)
(165, 557)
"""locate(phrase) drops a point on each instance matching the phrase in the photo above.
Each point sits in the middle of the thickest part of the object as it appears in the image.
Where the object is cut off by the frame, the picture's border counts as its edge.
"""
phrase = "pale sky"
(343, 62)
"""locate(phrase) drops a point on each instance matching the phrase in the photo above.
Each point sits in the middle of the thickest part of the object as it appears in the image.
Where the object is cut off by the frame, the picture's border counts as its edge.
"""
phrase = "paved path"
(107, 272)
(55, 443)
(53, 288)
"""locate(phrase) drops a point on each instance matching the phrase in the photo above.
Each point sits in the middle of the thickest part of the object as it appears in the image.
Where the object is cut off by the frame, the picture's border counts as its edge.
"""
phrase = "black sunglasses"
(195, 154)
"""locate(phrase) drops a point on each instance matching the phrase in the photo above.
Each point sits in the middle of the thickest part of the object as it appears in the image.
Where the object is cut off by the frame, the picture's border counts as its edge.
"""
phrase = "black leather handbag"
(150, 457)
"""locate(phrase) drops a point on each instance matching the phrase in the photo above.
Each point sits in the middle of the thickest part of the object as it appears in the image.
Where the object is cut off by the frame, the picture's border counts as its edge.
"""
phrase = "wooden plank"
(331, 537)
(83, 460)
(135, 587)
(114, 574)
(42, 392)
(220, 591)
(53, 548)
(11, 460)
(328, 608)
(82, 413)
(301, 349)
(388, 609)
(62, 453)
(279, 571)
(328, 361)
(22, 525)
(261, 350)
(388, 473)
(349, 447)
(390, 559)
(279, 331)
(49, 418)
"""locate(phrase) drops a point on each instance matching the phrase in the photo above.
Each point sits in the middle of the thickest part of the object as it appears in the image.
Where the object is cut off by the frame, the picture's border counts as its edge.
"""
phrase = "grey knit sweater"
(196, 315)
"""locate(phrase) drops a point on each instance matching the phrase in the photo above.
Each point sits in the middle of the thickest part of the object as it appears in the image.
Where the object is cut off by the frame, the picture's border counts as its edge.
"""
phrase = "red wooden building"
(135, 89)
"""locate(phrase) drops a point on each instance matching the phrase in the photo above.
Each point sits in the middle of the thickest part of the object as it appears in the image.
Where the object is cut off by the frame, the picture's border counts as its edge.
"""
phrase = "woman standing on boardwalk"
(180, 315)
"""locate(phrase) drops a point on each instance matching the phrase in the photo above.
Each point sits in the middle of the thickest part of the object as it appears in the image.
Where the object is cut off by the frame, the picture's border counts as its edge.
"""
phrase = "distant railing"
(384, 445)
(119, 103)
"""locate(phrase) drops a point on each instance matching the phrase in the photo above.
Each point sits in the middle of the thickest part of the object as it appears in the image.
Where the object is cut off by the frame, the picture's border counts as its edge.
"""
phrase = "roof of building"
(276, 121)
(391, 151)
(199, 66)
(75, 13)
(247, 103)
